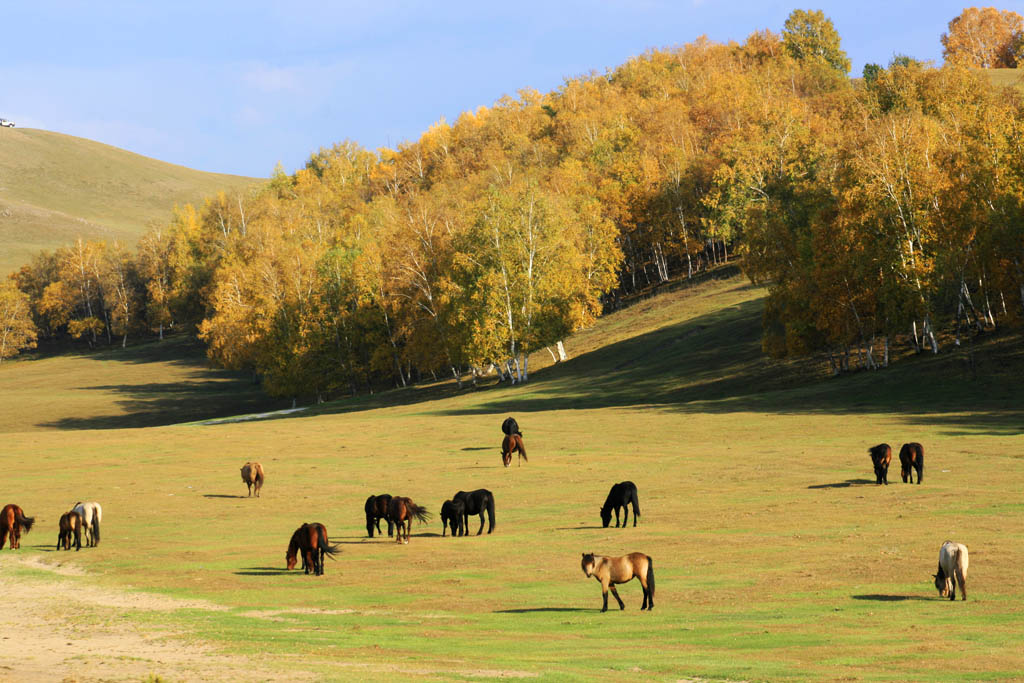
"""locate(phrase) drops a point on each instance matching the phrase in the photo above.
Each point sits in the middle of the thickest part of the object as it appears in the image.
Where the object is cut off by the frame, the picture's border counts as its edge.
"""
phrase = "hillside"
(1004, 77)
(55, 188)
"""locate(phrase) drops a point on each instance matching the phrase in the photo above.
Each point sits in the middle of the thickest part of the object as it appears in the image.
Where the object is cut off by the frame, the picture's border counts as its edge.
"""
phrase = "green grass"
(55, 188)
(776, 556)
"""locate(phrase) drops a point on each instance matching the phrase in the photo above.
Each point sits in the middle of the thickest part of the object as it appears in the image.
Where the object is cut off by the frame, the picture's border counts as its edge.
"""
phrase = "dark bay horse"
(376, 509)
(452, 512)
(476, 503)
(513, 443)
(402, 511)
(911, 458)
(70, 526)
(12, 522)
(510, 426)
(612, 570)
(310, 540)
(881, 456)
(621, 495)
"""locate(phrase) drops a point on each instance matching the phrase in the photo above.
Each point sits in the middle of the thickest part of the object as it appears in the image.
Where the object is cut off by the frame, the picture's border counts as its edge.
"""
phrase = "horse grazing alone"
(621, 495)
(12, 522)
(612, 570)
(475, 503)
(402, 510)
(513, 443)
(952, 570)
(70, 526)
(376, 509)
(310, 540)
(252, 475)
(91, 514)
(911, 456)
(452, 512)
(881, 456)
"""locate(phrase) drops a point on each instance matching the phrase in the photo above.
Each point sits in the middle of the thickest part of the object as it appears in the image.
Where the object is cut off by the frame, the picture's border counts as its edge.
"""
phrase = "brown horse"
(881, 456)
(510, 444)
(612, 570)
(401, 511)
(70, 525)
(252, 476)
(911, 456)
(376, 508)
(12, 521)
(310, 540)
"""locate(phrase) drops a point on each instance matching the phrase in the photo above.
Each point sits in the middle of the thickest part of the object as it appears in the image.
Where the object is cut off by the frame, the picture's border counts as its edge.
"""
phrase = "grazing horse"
(452, 512)
(513, 443)
(510, 426)
(476, 503)
(91, 514)
(952, 570)
(12, 522)
(612, 570)
(911, 456)
(310, 540)
(252, 475)
(402, 510)
(377, 509)
(621, 495)
(70, 525)
(881, 456)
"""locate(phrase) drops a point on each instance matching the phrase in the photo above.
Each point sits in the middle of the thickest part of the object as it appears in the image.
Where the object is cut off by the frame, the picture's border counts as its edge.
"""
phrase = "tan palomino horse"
(252, 475)
(952, 570)
(612, 570)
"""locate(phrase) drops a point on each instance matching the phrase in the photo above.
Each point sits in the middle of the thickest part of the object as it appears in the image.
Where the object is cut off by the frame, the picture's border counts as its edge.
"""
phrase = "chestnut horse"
(402, 510)
(612, 570)
(513, 443)
(70, 525)
(310, 540)
(911, 456)
(12, 522)
(376, 508)
(881, 456)
(252, 476)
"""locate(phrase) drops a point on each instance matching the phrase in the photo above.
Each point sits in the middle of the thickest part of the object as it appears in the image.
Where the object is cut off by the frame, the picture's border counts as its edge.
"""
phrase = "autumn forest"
(883, 211)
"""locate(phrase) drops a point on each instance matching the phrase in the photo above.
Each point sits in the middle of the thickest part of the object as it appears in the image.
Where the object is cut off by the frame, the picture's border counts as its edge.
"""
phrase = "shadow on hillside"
(528, 610)
(263, 571)
(222, 495)
(889, 598)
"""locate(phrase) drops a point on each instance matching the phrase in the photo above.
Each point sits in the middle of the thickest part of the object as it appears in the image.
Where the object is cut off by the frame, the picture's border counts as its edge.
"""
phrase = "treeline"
(887, 208)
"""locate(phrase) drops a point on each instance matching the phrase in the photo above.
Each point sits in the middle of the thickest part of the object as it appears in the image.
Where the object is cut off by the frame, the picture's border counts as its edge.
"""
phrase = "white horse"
(952, 570)
(91, 514)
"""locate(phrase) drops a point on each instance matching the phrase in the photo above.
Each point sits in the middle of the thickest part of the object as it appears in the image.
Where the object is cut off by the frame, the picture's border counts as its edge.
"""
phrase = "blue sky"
(235, 87)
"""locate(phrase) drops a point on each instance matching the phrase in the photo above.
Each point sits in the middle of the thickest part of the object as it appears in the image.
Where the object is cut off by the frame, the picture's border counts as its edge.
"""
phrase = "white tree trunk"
(526, 368)
(561, 351)
(553, 359)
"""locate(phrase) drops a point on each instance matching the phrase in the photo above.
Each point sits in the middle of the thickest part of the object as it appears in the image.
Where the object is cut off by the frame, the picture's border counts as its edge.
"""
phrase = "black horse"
(881, 456)
(452, 512)
(911, 458)
(621, 495)
(376, 509)
(510, 426)
(475, 503)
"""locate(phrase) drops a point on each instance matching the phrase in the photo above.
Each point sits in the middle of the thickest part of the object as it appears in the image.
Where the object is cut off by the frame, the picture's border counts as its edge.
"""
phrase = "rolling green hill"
(55, 188)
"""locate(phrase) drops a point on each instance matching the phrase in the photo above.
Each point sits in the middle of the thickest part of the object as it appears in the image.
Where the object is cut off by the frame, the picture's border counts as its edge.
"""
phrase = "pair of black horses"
(455, 513)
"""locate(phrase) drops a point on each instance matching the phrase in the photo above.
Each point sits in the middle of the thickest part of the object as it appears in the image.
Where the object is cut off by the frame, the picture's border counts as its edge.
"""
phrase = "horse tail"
(25, 522)
(636, 503)
(96, 529)
(522, 448)
(490, 512)
(418, 511)
(650, 577)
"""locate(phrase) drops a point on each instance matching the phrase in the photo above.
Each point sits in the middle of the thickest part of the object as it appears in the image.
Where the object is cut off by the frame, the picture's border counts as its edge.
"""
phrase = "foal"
(70, 525)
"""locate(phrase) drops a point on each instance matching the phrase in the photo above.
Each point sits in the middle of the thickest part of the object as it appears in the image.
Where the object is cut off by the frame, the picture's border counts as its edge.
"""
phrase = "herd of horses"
(311, 543)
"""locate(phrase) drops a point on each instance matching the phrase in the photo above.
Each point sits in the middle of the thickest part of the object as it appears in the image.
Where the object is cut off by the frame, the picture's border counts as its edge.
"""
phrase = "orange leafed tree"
(985, 38)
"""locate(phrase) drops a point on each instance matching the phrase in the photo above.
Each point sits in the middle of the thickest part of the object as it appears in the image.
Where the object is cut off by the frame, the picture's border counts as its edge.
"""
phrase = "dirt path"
(52, 628)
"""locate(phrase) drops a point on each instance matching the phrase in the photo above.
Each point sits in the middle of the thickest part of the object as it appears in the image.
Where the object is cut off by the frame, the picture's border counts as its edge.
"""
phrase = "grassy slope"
(775, 554)
(55, 188)
(1006, 76)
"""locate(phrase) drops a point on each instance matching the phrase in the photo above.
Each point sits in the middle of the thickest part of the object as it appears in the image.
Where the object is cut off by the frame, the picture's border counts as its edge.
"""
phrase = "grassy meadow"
(775, 555)
(55, 188)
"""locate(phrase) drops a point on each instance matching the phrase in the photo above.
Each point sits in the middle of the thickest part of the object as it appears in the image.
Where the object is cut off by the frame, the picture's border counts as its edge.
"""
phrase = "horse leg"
(625, 516)
(622, 605)
(481, 529)
(604, 594)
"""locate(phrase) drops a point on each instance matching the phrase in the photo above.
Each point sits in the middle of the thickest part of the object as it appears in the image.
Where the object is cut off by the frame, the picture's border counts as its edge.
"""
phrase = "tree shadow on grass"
(528, 610)
(578, 528)
(843, 484)
(889, 598)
